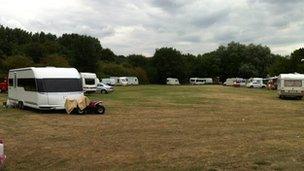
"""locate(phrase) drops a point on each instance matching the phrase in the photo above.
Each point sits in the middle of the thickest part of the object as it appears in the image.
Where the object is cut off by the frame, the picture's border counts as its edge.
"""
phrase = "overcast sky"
(141, 26)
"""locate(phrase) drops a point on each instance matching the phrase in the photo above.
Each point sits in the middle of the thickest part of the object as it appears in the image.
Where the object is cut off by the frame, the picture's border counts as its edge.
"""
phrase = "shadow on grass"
(51, 112)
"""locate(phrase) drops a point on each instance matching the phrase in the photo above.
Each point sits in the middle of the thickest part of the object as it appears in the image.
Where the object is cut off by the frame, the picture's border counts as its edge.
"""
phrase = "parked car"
(256, 83)
(104, 88)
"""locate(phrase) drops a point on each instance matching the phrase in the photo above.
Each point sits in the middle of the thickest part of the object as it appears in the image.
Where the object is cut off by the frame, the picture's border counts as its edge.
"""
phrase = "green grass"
(162, 128)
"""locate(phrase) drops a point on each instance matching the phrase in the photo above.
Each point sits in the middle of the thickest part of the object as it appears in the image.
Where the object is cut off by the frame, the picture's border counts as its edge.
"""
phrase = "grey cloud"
(140, 26)
(206, 20)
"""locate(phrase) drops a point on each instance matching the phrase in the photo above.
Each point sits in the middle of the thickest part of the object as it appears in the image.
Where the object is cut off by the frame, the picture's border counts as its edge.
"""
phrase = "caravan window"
(59, 85)
(292, 83)
(28, 84)
(10, 82)
(89, 81)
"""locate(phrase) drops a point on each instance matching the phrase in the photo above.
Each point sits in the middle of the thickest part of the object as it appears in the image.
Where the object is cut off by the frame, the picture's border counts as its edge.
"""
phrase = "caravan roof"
(295, 76)
(88, 74)
(51, 72)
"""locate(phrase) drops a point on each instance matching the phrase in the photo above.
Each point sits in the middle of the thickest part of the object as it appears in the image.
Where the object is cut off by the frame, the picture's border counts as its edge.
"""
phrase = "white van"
(120, 80)
(43, 87)
(89, 81)
(132, 80)
(255, 83)
(197, 81)
(108, 81)
(291, 85)
(172, 81)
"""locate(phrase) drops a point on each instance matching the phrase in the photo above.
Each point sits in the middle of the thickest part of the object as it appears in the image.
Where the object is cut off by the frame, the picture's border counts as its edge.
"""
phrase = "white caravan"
(120, 80)
(208, 80)
(229, 81)
(197, 81)
(43, 87)
(172, 81)
(291, 85)
(132, 80)
(255, 83)
(89, 81)
(108, 81)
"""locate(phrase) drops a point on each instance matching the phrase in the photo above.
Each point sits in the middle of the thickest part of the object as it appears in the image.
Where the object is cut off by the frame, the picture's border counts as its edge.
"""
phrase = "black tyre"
(80, 112)
(100, 109)
(299, 97)
(251, 86)
(104, 92)
(20, 105)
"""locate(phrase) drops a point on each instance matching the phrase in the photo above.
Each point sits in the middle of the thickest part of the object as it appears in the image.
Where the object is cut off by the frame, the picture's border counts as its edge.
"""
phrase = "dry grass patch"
(163, 128)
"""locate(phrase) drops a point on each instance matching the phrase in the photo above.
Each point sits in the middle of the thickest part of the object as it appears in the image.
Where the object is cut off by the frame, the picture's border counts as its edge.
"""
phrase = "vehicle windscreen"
(292, 83)
(89, 81)
(59, 85)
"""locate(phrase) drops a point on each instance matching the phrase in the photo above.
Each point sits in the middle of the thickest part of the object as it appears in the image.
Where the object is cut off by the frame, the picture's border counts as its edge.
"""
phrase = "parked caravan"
(239, 82)
(255, 83)
(120, 80)
(43, 87)
(108, 81)
(197, 81)
(132, 80)
(172, 81)
(89, 81)
(208, 80)
(291, 85)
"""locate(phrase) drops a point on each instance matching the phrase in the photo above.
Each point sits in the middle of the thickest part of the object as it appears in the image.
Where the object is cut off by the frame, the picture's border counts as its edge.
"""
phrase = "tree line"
(20, 48)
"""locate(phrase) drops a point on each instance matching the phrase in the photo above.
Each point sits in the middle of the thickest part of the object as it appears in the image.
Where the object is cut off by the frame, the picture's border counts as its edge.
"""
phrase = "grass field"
(162, 128)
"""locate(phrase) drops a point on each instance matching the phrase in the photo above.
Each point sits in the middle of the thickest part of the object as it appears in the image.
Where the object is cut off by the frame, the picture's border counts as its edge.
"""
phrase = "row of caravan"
(193, 81)
(287, 85)
(90, 81)
(49, 87)
(121, 81)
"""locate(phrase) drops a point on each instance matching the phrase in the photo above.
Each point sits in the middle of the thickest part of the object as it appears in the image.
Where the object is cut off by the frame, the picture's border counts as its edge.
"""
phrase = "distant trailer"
(132, 80)
(43, 88)
(208, 80)
(89, 81)
(172, 81)
(231, 81)
(120, 80)
(291, 85)
(108, 81)
(197, 81)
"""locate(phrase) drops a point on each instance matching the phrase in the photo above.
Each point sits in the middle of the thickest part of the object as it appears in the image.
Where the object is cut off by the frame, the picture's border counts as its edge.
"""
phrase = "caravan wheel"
(20, 105)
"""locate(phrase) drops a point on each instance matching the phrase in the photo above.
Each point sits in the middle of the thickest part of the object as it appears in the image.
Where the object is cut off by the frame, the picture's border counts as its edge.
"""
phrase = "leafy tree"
(295, 61)
(168, 63)
(83, 51)
(17, 62)
(55, 60)
(280, 65)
